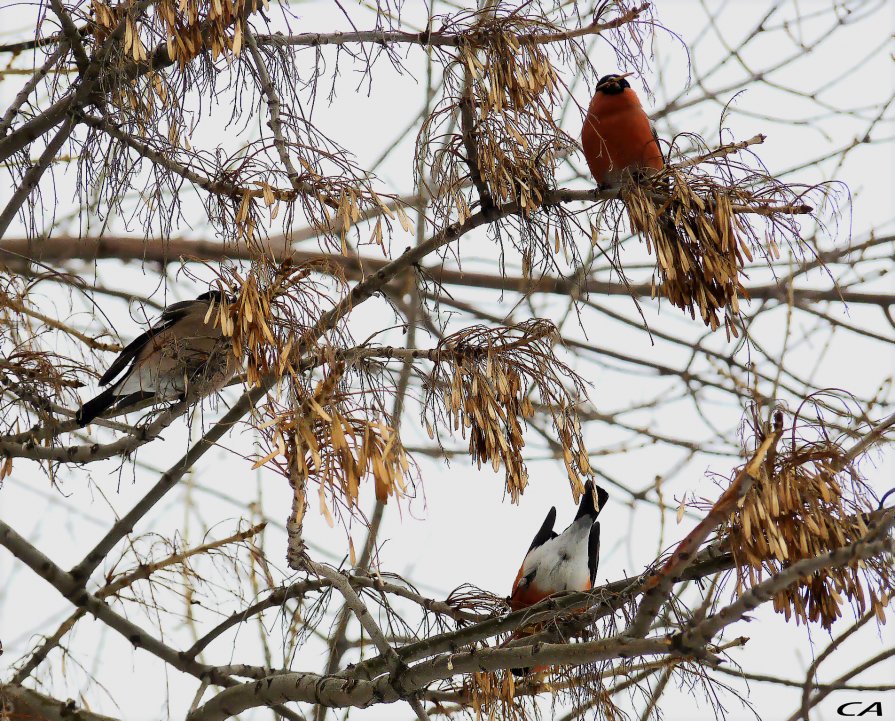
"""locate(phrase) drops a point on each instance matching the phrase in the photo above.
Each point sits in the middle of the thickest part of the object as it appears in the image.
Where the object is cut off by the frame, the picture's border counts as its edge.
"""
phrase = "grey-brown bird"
(185, 349)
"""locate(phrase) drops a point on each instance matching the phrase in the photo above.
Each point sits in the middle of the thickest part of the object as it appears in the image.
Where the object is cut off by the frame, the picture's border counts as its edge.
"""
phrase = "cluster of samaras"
(801, 510)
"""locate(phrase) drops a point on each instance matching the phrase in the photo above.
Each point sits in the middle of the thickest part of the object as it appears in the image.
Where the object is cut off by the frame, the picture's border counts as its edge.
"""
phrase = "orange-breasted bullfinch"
(184, 348)
(617, 135)
(562, 562)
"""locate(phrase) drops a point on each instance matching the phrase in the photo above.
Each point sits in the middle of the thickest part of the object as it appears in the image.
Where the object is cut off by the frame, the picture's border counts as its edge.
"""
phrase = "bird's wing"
(545, 532)
(593, 551)
(127, 356)
(602, 497)
(652, 127)
(169, 317)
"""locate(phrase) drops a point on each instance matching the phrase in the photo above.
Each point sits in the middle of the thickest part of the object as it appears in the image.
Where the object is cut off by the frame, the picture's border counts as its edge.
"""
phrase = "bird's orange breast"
(525, 596)
(617, 136)
(528, 596)
(531, 594)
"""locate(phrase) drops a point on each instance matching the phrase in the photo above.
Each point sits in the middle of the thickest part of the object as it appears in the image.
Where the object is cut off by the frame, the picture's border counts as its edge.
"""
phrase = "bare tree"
(441, 279)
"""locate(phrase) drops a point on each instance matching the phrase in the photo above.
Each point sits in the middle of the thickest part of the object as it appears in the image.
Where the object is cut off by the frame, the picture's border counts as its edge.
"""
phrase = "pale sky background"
(461, 529)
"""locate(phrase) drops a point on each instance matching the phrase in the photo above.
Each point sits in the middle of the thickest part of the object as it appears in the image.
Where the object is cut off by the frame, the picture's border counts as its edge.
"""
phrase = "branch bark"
(658, 587)
(62, 248)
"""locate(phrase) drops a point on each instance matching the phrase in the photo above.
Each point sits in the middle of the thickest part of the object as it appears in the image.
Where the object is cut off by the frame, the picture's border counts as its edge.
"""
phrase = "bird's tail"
(588, 506)
(96, 406)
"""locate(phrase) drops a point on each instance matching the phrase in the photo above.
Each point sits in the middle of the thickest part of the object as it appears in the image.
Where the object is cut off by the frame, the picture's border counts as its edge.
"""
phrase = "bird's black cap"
(217, 296)
(613, 84)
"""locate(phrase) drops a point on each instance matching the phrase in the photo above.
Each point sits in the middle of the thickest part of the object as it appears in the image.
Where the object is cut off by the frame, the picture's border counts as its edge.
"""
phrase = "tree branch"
(658, 586)
(61, 248)
(50, 709)
(439, 39)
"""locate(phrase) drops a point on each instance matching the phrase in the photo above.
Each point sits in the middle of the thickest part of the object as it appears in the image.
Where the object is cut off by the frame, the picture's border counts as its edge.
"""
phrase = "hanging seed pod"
(809, 503)
(488, 377)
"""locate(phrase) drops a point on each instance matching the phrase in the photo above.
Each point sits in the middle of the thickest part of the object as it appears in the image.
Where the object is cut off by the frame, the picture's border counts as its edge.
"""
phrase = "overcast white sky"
(461, 529)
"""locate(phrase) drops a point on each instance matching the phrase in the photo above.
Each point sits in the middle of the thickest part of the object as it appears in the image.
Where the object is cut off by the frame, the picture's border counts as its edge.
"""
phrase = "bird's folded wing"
(546, 532)
(169, 317)
(593, 552)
